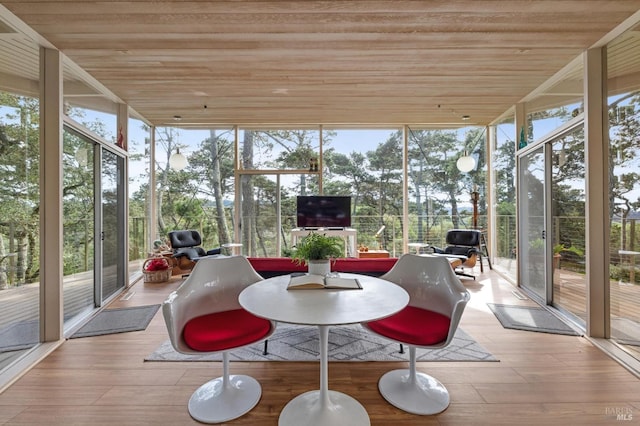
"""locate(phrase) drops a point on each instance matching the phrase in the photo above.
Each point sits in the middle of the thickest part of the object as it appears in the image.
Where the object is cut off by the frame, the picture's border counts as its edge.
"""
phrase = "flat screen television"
(323, 211)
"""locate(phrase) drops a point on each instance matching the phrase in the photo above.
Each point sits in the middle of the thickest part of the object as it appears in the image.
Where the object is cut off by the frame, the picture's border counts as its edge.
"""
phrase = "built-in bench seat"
(271, 266)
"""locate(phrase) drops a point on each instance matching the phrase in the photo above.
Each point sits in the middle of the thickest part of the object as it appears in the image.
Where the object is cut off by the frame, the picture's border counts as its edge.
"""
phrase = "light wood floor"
(540, 379)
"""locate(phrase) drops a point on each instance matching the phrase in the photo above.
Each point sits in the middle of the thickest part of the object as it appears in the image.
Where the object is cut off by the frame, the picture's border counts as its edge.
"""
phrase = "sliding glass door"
(532, 236)
(94, 232)
(112, 231)
(79, 219)
(568, 226)
(551, 248)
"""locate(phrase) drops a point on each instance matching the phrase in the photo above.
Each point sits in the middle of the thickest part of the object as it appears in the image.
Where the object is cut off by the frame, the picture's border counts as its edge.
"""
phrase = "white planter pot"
(319, 267)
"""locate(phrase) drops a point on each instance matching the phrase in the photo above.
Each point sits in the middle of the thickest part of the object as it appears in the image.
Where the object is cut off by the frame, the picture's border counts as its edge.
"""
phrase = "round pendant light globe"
(466, 163)
(177, 161)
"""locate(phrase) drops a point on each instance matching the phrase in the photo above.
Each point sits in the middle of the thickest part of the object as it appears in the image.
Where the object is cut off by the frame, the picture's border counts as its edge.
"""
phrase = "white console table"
(349, 235)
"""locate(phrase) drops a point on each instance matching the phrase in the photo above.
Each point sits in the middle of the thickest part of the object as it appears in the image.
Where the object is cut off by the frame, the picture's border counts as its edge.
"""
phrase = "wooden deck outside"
(21, 303)
(570, 294)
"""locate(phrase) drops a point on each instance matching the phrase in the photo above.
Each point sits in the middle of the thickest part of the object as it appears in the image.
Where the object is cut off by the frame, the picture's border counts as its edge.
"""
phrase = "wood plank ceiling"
(322, 62)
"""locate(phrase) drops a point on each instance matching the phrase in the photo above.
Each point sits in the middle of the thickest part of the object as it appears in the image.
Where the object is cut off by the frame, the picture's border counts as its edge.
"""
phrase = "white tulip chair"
(437, 299)
(203, 316)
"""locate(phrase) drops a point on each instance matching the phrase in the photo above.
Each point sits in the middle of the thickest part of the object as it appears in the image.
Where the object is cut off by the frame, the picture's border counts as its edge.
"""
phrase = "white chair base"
(215, 403)
(423, 395)
(309, 409)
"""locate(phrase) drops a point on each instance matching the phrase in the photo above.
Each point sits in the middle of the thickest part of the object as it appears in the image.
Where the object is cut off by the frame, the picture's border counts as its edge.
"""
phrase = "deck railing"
(429, 229)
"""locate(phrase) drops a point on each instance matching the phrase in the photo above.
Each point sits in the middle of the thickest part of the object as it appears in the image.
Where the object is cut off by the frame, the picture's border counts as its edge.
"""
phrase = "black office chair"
(463, 244)
(186, 248)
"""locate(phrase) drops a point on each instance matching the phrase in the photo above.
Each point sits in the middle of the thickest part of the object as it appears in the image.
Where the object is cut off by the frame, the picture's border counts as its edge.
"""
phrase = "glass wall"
(19, 196)
(504, 199)
(199, 195)
(78, 245)
(568, 225)
(624, 189)
(280, 149)
(531, 238)
(557, 104)
(543, 122)
(440, 195)
(102, 123)
(86, 254)
(19, 224)
(277, 165)
(367, 165)
(139, 195)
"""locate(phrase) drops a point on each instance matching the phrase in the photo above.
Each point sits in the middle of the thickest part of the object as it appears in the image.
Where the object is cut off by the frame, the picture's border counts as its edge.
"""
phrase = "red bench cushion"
(414, 326)
(355, 265)
(224, 330)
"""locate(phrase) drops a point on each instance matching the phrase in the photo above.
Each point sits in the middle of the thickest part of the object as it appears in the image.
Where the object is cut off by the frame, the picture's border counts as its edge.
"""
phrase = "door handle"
(544, 235)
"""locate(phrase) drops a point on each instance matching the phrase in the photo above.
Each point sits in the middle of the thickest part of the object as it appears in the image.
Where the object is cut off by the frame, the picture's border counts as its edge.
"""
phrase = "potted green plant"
(557, 249)
(316, 250)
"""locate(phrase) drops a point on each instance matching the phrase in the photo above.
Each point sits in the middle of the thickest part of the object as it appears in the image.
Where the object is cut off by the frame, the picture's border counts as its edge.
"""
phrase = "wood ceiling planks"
(329, 62)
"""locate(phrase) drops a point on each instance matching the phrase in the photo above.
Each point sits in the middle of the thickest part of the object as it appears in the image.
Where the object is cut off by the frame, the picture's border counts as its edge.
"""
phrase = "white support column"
(123, 131)
(520, 120)
(51, 230)
(597, 181)
(489, 192)
(320, 161)
(237, 235)
(153, 198)
(405, 190)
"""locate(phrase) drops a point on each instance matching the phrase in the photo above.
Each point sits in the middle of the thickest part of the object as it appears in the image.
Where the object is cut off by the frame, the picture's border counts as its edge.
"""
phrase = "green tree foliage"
(347, 176)
(19, 192)
(504, 163)
(78, 203)
(179, 205)
(385, 163)
(213, 163)
(624, 123)
(625, 155)
(436, 182)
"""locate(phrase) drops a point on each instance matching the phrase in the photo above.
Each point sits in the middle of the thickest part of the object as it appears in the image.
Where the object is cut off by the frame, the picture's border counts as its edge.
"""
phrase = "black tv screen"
(323, 211)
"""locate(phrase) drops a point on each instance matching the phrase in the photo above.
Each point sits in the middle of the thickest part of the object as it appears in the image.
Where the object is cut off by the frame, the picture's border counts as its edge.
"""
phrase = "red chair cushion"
(224, 330)
(414, 326)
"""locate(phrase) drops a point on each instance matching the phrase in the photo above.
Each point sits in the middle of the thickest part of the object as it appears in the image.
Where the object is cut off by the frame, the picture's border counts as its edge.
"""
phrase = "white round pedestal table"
(324, 308)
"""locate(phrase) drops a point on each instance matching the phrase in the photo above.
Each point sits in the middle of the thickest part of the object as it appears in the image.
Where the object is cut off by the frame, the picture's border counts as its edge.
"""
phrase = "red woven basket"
(157, 276)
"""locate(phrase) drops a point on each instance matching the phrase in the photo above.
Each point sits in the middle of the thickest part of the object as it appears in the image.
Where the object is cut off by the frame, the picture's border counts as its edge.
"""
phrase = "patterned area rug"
(346, 343)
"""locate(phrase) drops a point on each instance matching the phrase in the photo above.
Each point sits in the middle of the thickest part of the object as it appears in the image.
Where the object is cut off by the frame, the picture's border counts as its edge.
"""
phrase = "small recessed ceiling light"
(466, 117)
(177, 117)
